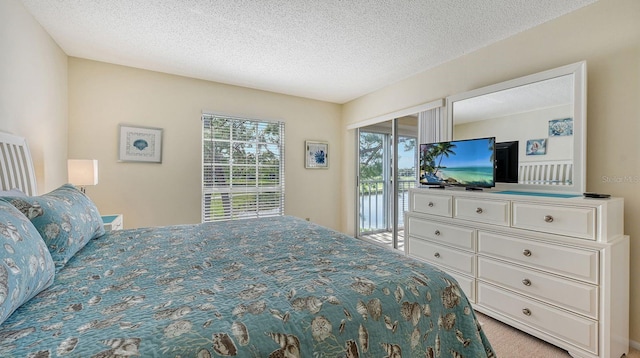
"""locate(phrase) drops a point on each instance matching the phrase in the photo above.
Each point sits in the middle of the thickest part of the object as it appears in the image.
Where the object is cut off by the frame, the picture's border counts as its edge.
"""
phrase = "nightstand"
(112, 222)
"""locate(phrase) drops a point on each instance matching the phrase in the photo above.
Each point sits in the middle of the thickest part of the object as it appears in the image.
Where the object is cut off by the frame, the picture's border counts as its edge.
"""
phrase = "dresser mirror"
(539, 122)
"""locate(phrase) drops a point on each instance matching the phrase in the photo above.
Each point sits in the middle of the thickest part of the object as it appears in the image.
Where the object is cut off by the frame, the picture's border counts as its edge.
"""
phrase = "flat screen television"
(469, 163)
(507, 162)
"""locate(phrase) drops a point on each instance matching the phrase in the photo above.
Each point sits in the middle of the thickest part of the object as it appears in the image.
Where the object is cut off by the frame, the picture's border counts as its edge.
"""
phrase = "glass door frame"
(431, 128)
(389, 178)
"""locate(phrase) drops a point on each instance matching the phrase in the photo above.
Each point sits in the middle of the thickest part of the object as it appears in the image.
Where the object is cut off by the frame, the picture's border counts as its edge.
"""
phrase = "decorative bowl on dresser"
(553, 265)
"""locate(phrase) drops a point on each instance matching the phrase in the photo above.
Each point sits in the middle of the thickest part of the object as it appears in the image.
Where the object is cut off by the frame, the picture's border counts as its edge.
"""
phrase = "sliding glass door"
(386, 169)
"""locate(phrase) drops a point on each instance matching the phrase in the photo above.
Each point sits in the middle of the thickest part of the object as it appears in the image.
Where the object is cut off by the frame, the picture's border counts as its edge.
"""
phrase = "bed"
(271, 287)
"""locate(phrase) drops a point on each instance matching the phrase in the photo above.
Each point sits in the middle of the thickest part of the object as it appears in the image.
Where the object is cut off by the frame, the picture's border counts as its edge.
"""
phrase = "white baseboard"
(634, 345)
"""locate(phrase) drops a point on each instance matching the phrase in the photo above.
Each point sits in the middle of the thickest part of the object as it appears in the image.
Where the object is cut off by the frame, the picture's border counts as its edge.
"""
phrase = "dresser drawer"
(570, 221)
(440, 205)
(561, 260)
(462, 237)
(576, 330)
(578, 297)
(441, 255)
(485, 211)
(467, 285)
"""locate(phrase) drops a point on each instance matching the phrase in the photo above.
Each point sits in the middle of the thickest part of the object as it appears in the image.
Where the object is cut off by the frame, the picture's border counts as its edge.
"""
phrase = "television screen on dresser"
(469, 163)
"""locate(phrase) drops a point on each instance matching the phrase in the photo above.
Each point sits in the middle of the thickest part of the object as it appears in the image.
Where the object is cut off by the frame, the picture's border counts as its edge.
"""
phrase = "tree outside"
(372, 182)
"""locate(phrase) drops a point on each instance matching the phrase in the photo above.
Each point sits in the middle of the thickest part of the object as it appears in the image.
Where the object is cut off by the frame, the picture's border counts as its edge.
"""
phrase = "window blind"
(242, 168)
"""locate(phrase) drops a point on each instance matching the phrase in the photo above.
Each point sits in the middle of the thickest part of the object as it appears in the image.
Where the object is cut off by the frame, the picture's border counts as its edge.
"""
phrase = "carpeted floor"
(509, 342)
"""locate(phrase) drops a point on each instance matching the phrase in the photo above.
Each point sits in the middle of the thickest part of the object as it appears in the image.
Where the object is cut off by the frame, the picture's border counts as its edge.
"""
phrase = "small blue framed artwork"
(140, 144)
(316, 154)
(537, 146)
(561, 127)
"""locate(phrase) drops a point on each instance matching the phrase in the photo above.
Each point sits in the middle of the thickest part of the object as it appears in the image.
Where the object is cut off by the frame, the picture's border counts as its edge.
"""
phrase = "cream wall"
(102, 96)
(531, 125)
(606, 35)
(33, 92)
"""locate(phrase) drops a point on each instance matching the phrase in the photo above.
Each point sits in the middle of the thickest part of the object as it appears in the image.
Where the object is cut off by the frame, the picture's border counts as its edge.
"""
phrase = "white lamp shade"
(83, 171)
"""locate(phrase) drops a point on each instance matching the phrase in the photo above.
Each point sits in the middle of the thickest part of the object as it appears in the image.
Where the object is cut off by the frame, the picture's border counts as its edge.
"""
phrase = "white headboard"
(16, 166)
(548, 173)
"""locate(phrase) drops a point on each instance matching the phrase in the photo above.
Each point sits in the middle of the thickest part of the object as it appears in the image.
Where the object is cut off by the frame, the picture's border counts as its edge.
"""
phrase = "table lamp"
(83, 172)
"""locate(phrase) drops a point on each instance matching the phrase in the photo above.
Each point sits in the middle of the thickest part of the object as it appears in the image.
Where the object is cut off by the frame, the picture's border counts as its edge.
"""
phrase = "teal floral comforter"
(273, 287)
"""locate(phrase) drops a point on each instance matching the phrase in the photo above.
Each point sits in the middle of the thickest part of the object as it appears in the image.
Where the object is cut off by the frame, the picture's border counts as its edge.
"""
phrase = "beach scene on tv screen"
(465, 163)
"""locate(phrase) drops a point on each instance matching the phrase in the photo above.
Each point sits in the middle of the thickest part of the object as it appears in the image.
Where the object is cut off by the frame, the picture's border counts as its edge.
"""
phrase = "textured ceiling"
(540, 95)
(331, 50)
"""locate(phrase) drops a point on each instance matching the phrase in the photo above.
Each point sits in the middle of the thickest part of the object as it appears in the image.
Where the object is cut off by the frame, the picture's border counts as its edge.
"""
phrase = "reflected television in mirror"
(467, 163)
(507, 162)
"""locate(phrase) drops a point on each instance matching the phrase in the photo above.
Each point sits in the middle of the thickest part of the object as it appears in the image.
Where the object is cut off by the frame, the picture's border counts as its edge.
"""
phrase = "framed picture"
(316, 154)
(561, 127)
(537, 146)
(140, 144)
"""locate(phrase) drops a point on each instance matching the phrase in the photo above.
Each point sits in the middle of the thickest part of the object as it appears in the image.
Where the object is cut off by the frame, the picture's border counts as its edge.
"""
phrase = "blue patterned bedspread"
(274, 287)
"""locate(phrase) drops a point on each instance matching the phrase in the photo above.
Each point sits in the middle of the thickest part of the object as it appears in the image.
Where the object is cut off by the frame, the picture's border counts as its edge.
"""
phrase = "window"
(242, 168)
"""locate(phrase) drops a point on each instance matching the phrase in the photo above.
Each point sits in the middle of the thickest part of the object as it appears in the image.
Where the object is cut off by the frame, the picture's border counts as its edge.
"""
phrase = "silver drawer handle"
(526, 282)
(437, 232)
(437, 255)
(548, 218)
(479, 210)
(526, 312)
(430, 204)
(526, 252)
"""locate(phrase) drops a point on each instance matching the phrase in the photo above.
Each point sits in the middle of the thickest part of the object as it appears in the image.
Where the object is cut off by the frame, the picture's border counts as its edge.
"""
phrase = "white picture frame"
(316, 154)
(140, 144)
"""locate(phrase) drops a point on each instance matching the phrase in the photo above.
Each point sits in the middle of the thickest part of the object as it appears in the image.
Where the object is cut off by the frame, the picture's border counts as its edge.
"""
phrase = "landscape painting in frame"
(317, 154)
(561, 127)
(537, 146)
(140, 144)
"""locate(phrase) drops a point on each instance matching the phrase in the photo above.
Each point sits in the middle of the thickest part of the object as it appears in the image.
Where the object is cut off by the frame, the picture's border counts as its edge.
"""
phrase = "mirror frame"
(579, 72)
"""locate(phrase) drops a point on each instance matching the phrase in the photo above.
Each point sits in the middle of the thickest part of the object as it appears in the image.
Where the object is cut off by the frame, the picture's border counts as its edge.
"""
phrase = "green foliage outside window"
(372, 158)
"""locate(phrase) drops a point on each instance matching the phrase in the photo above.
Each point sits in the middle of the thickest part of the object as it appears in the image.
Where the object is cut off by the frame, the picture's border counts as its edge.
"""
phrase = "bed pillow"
(65, 218)
(26, 266)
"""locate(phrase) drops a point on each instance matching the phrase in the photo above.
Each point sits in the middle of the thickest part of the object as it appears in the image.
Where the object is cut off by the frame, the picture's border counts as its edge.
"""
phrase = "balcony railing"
(374, 208)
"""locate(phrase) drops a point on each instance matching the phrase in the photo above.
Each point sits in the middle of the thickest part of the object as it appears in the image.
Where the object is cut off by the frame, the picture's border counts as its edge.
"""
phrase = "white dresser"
(554, 267)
